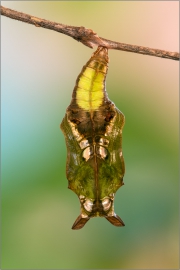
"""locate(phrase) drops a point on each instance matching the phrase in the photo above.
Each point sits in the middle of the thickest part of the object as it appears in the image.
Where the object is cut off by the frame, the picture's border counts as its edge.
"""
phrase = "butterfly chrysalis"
(92, 127)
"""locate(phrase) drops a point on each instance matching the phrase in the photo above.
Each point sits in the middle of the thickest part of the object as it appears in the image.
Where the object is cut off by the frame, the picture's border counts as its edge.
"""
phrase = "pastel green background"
(39, 68)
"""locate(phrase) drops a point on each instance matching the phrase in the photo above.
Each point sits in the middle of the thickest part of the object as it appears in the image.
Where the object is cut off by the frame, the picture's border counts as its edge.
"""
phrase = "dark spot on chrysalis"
(109, 116)
(75, 121)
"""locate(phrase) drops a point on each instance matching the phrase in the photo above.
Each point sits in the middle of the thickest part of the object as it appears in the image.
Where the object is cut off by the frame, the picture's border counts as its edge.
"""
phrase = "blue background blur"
(39, 68)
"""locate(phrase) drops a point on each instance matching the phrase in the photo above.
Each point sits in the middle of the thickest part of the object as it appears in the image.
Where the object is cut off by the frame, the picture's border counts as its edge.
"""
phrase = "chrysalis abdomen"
(92, 128)
(90, 90)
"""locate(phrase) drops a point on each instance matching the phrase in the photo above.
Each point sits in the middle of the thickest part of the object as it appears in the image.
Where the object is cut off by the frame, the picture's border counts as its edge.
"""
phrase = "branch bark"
(86, 36)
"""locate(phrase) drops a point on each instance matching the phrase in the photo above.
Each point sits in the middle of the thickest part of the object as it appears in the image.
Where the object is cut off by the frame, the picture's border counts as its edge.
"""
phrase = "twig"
(86, 36)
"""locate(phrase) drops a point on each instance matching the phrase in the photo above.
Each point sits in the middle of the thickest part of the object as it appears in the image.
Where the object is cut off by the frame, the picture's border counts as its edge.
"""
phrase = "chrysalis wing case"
(92, 127)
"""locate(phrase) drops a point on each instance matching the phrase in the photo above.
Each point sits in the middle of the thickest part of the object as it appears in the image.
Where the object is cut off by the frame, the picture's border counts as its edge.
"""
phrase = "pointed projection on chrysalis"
(92, 127)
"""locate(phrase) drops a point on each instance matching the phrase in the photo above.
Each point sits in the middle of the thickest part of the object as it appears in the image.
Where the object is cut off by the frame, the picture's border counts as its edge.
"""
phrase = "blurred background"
(39, 68)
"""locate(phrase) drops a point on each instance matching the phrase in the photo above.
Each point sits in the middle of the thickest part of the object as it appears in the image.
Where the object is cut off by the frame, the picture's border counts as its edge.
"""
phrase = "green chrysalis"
(92, 127)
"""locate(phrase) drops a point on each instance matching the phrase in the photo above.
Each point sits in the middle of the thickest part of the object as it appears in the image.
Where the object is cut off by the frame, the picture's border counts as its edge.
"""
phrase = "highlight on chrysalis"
(92, 128)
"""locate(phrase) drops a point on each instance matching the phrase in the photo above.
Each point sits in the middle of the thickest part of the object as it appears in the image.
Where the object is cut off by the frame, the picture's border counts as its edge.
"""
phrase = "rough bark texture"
(86, 36)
